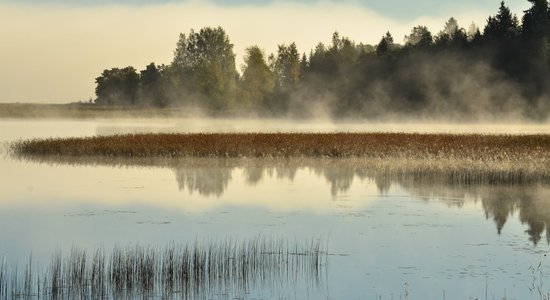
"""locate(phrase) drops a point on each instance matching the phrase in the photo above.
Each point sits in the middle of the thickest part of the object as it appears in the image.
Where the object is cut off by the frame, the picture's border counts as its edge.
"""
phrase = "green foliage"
(451, 28)
(205, 63)
(385, 45)
(257, 81)
(536, 20)
(117, 86)
(452, 35)
(473, 34)
(286, 66)
(502, 27)
(344, 50)
(453, 71)
(152, 88)
(420, 37)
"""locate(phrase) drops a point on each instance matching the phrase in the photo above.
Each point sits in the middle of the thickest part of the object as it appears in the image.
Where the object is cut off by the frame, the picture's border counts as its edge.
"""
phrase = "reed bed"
(195, 271)
(457, 159)
(370, 145)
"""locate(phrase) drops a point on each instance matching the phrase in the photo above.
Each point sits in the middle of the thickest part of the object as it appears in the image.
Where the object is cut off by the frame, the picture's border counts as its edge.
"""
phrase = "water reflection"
(531, 202)
(204, 270)
(500, 196)
(206, 181)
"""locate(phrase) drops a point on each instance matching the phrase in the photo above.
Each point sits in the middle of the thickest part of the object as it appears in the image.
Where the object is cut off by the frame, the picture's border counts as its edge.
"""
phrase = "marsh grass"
(177, 271)
(334, 145)
(459, 158)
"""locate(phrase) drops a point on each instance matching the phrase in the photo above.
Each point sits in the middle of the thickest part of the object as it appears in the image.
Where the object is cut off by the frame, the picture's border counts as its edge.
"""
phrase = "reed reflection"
(203, 270)
(502, 194)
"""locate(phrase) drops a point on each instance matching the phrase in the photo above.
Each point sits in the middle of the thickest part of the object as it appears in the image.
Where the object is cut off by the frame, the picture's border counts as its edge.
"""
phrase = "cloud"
(52, 53)
(394, 8)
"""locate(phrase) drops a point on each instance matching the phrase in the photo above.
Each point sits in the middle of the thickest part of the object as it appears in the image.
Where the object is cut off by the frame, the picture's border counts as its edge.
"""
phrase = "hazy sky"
(52, 50)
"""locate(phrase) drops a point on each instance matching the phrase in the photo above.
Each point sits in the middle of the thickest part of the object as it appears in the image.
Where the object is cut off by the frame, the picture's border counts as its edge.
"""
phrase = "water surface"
(388, 237)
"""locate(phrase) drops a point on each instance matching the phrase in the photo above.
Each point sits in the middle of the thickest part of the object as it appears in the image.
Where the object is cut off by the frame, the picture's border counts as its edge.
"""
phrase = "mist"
(52, 52)
(365, 66)
(447, 86)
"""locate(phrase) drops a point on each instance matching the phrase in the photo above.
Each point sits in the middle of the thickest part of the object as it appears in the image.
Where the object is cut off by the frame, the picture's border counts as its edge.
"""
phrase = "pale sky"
(52, 50)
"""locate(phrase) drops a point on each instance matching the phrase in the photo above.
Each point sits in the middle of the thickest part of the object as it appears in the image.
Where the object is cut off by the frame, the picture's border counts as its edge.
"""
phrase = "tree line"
(499, 71)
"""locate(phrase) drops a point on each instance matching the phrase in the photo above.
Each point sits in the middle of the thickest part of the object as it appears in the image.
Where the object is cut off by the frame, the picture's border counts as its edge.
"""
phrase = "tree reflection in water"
(208, 181)
(502, 192)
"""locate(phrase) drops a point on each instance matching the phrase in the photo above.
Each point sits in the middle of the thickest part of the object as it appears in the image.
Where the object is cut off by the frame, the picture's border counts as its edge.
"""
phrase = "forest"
(498, 72)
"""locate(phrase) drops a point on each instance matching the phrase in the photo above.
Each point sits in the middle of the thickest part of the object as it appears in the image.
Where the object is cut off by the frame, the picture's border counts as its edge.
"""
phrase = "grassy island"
(448, 157)
(494, 148)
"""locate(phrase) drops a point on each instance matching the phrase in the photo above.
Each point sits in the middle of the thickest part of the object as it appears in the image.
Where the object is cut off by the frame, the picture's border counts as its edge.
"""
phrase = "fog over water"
(71, 127)
(447, 224)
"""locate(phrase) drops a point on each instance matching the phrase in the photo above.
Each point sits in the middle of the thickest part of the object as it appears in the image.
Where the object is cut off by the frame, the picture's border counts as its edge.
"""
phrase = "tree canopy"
(257, 82)
(499, 70)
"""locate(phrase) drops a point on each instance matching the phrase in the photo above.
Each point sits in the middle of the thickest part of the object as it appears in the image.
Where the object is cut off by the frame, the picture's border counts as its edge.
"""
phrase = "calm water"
(387, 238)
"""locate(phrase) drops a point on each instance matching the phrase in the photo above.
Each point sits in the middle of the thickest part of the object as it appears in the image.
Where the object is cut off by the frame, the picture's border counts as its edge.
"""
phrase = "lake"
(385, 237)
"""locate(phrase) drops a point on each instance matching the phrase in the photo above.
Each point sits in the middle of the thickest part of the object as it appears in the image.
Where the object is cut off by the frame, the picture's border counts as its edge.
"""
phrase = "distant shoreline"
(86, 111)
(90, 111)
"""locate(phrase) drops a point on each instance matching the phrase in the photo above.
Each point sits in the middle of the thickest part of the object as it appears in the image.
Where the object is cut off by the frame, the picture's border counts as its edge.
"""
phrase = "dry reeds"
(370, 145)
(459, 158)
(180, 271)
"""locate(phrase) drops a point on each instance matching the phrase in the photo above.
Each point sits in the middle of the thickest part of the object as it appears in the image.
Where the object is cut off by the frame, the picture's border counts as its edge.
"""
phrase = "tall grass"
(459, 158)
(371, 145)
(176, 271)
